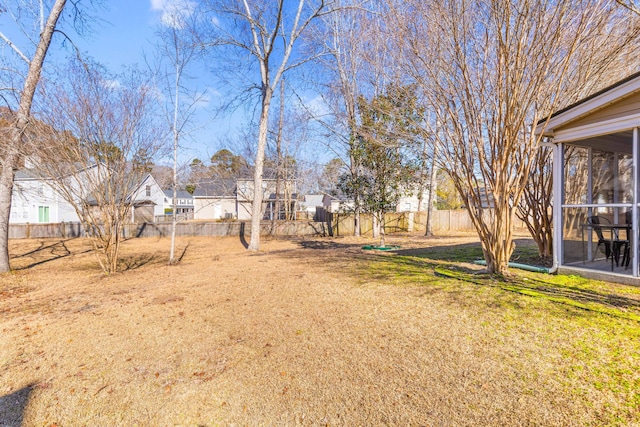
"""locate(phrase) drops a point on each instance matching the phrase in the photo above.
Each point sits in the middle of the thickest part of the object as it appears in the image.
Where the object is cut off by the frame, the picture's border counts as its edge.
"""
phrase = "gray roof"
(182, 194)
(219, 188)
(25, 174)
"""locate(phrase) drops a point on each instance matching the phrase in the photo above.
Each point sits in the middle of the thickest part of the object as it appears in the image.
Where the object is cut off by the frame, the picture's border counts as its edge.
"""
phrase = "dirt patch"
(303, 332)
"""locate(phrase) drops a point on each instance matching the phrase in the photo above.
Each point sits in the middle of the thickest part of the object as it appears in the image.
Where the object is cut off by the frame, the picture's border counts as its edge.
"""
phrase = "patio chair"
(616, 241)
(595, 221)
(626, 255)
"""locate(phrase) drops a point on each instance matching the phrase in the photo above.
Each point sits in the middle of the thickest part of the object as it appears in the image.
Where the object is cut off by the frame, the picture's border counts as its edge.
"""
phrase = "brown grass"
(305, 332)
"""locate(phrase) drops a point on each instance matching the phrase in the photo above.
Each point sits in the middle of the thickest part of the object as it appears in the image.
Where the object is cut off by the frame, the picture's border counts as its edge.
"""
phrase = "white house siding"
(153, 193)
(32, 197)
(213, 208)
(411, 203)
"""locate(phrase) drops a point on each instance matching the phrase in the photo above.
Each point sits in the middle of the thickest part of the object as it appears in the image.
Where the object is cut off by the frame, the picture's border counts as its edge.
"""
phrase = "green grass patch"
(589, 329)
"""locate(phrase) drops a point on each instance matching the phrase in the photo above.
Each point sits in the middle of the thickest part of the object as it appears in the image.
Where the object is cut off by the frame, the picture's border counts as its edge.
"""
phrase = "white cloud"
(317, 106)
(111, 84)
(205, 99)
(173, 12)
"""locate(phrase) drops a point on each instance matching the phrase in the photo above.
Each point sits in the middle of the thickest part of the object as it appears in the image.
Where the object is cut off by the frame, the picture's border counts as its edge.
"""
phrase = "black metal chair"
(595, 221)
(626, 255)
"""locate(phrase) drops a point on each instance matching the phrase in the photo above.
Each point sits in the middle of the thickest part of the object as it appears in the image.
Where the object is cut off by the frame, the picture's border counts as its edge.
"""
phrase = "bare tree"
(178, 49)
(269, 33)
(24, 93)
(492, 68)
(101, 122)
(601, 59)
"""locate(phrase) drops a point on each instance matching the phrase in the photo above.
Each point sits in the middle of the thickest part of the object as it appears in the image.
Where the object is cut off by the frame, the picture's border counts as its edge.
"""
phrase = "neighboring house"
(310, 202)
(232, 198)
(184, 202)
(147, 200)
(244, 194)
(413, 202)
(215, 200)
(486, 198)
(335, 205)
(36, 200)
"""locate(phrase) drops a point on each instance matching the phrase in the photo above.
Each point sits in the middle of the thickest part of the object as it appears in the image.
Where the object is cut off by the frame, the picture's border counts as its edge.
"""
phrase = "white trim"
(605, 127)
(558, 196)
(592, 105)
(634, 199)
(598, 205)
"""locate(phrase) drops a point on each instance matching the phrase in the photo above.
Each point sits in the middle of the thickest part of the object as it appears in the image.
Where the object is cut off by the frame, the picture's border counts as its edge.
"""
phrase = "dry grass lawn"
(305, 332)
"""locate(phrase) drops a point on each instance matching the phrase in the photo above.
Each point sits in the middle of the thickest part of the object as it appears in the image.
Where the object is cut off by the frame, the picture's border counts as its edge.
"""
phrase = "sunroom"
(595, 183)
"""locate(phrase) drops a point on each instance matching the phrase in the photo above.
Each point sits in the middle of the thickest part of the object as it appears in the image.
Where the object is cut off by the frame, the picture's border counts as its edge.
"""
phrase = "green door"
(43, 213)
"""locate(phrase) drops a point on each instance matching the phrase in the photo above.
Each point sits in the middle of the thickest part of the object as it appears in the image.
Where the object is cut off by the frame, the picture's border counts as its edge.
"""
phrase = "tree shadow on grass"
(133, 262)
(466, 252)
(184, 252)
(12, 407)
(327, 245)
(573, 292)
(526, 252)
(48, 253)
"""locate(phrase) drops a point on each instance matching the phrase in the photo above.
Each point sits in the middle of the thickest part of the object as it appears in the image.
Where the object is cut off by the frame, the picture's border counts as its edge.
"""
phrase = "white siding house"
(36, 200)
(184, 203)
(147, 200)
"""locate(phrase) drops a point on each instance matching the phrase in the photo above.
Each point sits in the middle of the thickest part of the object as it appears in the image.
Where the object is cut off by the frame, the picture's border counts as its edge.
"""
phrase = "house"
(184, 203)
(286, 196)
(335, 205)
(36, 199)
(233, 198)
(309, 203)
(147, 200)
(215, 200)
(596, 152)
(413, 202)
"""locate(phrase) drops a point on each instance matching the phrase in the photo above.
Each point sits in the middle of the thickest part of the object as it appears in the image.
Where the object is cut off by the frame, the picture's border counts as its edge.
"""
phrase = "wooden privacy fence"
(443, 222)
(151, 229)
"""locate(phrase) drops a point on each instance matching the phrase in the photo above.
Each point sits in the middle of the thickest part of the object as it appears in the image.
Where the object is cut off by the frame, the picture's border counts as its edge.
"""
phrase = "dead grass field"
(307, 332)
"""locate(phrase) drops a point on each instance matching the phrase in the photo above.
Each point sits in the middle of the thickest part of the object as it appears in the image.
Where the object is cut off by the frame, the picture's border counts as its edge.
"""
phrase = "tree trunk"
(375, 226)
(356, 196)
(7, 174)
(381, 228)
(497, 239)
(174, 178)
(279, 165)
(256, 215)
(11, 161)
(432, 185)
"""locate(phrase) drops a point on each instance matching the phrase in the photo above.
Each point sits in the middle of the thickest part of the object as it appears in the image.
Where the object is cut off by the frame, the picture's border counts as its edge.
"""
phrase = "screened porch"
(597, 209)
(596, 181)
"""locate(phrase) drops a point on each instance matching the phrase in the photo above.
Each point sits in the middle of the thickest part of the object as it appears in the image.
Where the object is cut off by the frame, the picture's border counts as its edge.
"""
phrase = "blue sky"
(125, 35)
(129, 31)
(123, 32)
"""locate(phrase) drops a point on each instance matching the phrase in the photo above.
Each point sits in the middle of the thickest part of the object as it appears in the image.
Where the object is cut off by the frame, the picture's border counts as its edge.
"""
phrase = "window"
(148, 191)
(43, 213)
